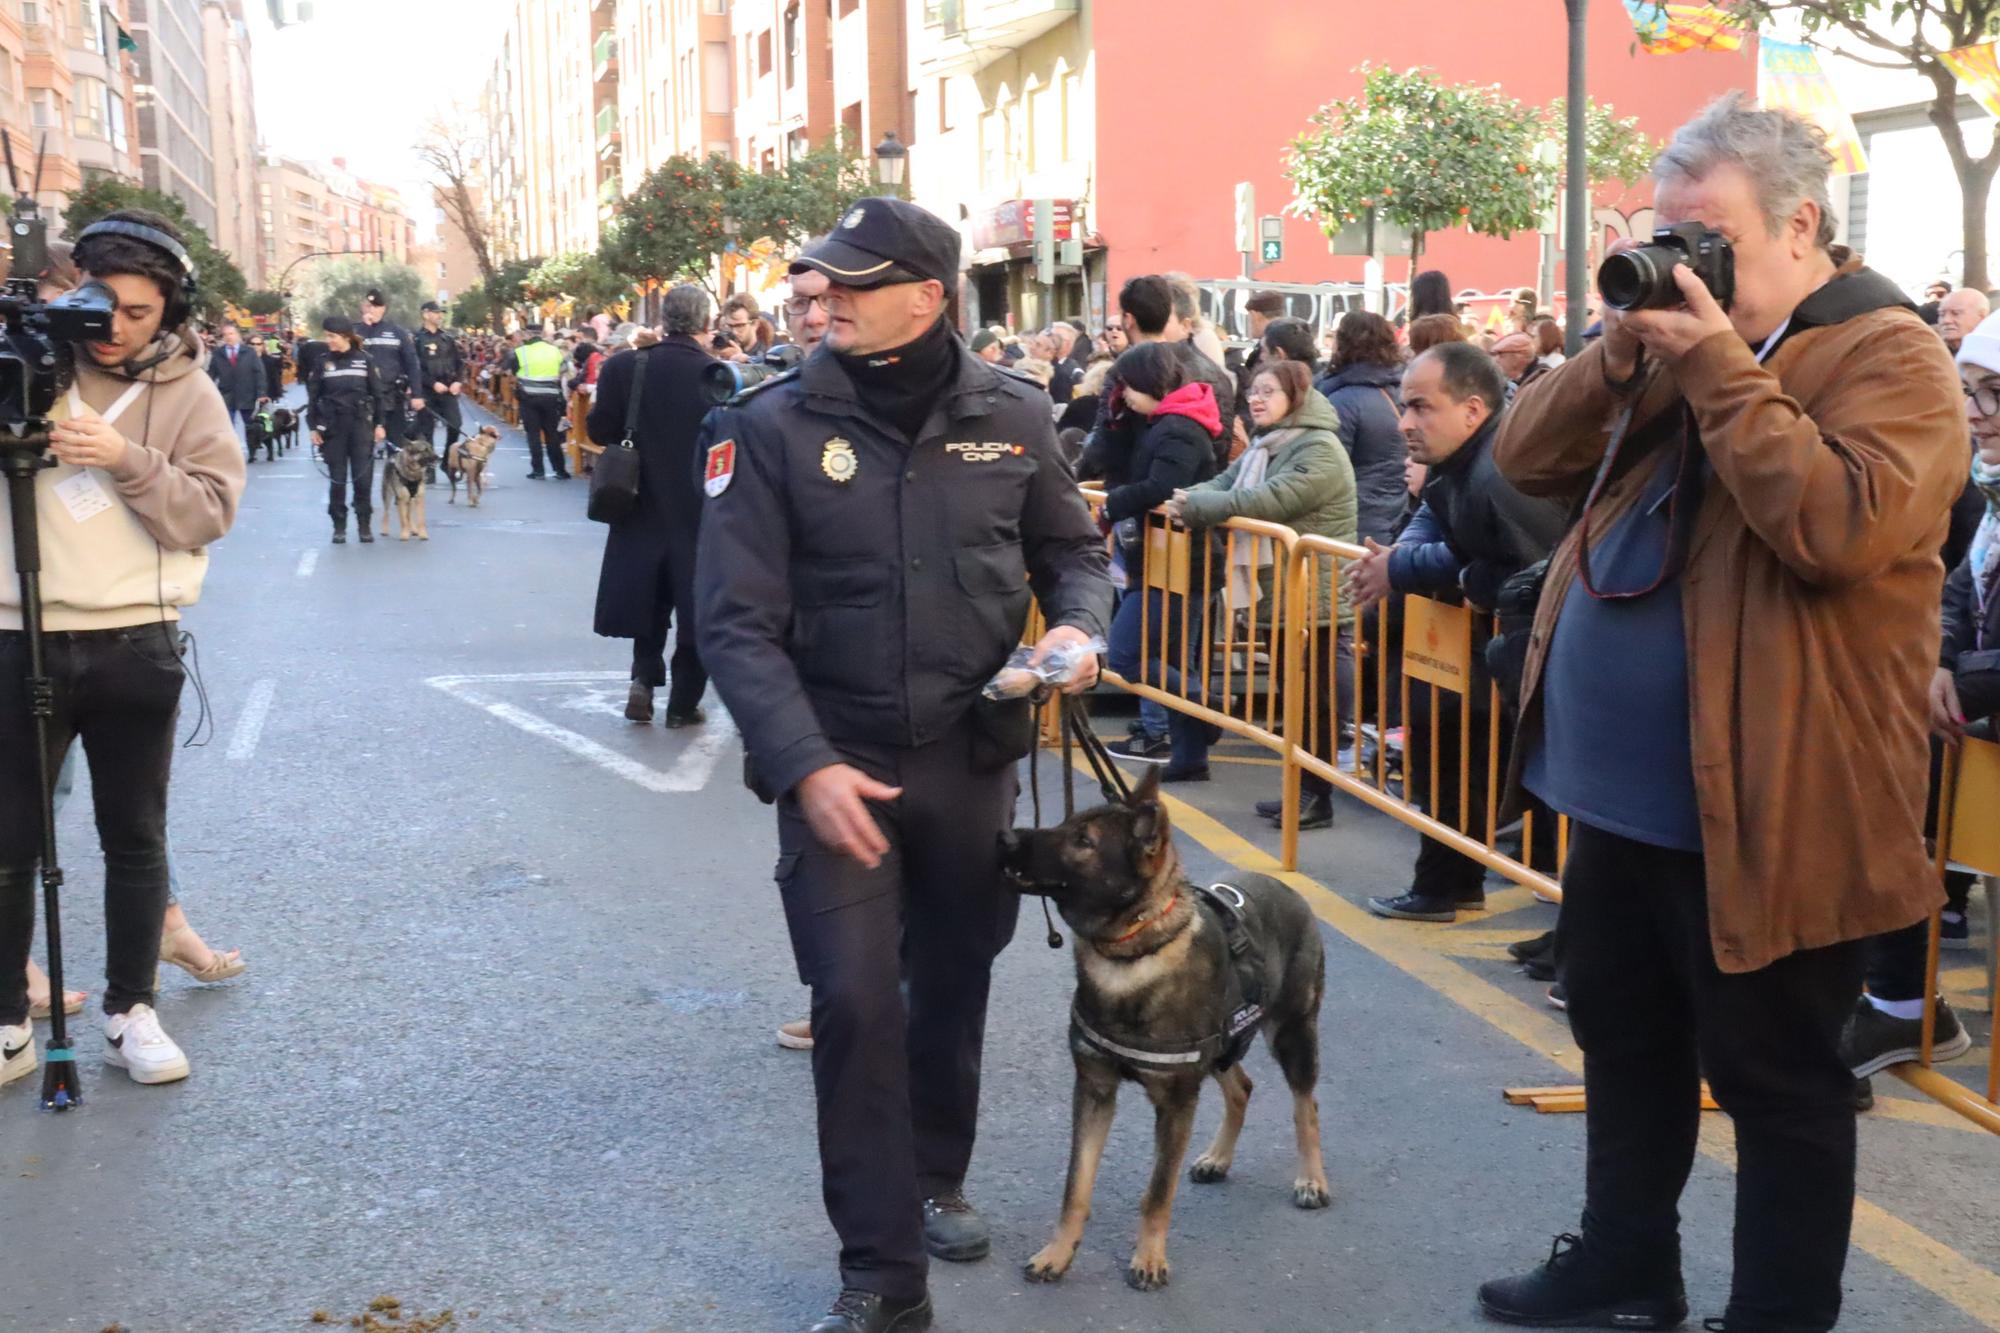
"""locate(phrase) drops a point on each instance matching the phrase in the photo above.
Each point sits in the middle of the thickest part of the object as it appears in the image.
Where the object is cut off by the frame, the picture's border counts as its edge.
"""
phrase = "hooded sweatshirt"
(126, 545)
(1175, 450)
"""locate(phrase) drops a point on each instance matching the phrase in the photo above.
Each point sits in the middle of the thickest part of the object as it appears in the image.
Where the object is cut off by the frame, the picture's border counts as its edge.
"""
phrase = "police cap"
(431, 305)
(883, 241)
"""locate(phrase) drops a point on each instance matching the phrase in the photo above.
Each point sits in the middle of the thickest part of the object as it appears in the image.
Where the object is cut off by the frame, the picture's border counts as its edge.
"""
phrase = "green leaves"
(1428, 155)
(325, 287)
(219, 277)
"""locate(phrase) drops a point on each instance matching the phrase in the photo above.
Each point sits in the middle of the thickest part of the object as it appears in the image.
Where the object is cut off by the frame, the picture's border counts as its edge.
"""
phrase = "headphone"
(180, 307)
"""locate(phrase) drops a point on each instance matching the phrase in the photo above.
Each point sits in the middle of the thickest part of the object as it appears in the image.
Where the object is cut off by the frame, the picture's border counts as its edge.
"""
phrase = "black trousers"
(1442, 872)
(674, 604)
(440, 408)
(1652, 1013)
(119, 690)
(349, 449)
(899, 960)
(1332, 698)
(540, 418)
(1896, 959)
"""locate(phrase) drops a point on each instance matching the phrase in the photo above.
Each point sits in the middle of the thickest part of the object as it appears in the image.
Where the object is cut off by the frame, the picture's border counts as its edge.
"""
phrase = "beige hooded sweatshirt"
(126, 545)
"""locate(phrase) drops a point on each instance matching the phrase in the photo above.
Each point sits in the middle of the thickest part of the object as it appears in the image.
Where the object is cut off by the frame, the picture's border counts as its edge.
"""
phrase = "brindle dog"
(467, 458)
(403, 486)
(1153, 973)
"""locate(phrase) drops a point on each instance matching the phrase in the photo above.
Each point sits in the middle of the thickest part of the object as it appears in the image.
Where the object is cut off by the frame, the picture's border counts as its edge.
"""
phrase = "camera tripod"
(21, 458)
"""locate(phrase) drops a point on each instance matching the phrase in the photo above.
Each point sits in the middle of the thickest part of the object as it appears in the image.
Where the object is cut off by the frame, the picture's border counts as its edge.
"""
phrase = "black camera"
(37, 338)
(1643, 279)
(725, 379)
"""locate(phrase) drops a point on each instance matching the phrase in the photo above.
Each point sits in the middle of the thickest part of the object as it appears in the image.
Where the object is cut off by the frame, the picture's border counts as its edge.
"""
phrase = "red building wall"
(1194, 96)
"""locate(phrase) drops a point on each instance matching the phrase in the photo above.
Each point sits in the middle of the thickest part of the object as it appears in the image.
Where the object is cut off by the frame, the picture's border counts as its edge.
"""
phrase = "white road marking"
(250, 727)
(308, 562)
(691, 769)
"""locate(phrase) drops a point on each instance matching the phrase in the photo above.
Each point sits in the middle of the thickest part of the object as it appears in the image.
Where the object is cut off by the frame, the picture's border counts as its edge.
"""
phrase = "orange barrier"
(582, 452)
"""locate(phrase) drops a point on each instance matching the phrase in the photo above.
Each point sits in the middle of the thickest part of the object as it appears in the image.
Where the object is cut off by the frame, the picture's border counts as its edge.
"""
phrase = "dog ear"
(1148, 789)
(1150, 827)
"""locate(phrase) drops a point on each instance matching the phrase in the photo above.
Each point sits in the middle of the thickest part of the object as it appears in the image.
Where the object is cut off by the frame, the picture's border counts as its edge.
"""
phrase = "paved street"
(505, 1041)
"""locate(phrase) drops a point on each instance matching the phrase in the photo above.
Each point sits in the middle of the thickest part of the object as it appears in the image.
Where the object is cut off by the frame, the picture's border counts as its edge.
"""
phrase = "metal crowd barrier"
(1246, 644)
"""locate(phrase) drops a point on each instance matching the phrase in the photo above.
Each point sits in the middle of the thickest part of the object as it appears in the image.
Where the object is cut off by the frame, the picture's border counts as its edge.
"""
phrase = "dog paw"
(1311, 1194)
(1208, 1170)
(1048, 1265)
(1147, 1274)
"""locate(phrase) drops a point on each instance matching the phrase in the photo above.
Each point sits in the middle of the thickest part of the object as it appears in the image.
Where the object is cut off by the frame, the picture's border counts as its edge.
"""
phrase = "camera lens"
(721, 382)
(1624, 279)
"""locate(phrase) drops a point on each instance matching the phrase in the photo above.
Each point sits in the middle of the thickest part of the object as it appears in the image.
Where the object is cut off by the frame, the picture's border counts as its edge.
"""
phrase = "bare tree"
(450, 149)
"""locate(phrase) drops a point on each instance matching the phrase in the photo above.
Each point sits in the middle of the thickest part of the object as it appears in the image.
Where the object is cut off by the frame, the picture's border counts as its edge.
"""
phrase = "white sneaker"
(17, 1052)
(135, 1043)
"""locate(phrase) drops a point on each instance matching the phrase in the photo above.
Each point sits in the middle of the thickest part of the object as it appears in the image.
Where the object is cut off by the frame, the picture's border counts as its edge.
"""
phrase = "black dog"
(1173, 984)
(284, 427)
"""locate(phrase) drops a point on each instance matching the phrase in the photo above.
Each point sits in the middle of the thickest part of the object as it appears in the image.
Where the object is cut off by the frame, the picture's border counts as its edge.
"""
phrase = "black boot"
(869, 1312)
(1315, 810)
(953, 1230)
(340, 529)
(361, 530)
(1579, 1288)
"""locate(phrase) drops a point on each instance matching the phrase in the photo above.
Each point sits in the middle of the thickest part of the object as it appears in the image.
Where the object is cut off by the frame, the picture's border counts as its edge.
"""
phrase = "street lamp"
(891, 160)
(285, 312)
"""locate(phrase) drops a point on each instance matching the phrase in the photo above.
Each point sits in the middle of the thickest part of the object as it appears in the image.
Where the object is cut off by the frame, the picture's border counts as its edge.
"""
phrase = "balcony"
(604, 61)
(964, 36)
(608, 135)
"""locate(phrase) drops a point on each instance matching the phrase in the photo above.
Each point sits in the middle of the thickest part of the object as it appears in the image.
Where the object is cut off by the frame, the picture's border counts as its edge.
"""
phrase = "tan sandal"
(225, 964)
(72, 1005)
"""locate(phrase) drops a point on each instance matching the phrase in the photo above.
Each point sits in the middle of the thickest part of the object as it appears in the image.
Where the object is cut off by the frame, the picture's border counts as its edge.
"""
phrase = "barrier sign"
(1437, 643)
(1975, 834)
(1167, 557)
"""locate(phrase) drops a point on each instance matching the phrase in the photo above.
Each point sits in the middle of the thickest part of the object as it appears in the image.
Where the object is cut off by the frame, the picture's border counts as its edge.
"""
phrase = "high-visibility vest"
(541, 369)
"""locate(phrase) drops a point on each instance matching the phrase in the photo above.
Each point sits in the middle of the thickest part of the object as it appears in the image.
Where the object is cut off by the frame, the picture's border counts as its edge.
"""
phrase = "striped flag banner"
(1979, 70)
(1789, 79)
(1669, 29)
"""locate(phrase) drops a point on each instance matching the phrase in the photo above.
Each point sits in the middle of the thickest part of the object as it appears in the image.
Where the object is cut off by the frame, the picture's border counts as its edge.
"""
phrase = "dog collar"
(1144, 922)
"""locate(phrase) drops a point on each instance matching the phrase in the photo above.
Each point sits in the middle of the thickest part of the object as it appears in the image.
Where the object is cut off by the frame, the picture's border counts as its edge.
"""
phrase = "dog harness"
(1243, 987)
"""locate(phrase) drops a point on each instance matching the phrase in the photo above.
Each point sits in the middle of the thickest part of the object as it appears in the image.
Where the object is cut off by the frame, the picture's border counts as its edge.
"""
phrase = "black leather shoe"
(1542, 945)
(694, 717)
(1578, 1289)
(953, 1230)
(1192, 773)
(639, 703)
(870, 1312)
(1418, 907)
(1314, 811)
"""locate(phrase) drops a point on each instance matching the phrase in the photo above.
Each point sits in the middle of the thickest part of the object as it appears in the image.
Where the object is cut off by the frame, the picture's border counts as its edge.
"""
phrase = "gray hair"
(1784, 155)
(685, 309)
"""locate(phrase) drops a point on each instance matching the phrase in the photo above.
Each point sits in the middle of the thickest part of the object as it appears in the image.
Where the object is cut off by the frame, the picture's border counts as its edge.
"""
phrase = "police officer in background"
(442, 377)
(537, 367)
(875, 522)
(395, 356)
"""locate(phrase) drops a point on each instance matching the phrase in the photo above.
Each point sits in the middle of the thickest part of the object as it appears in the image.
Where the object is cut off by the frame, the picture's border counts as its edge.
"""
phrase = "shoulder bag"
(614, 480)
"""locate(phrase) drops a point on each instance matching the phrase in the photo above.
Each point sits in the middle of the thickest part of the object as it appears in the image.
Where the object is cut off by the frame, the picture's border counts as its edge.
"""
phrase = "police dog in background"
(284, 427)
(1172, 984)
(403, 486)
(467, 458)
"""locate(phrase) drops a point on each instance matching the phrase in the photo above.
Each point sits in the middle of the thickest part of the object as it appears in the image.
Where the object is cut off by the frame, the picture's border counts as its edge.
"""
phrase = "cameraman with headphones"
(148, 474)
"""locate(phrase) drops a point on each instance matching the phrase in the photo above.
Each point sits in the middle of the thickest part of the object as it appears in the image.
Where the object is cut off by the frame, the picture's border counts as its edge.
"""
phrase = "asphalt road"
(505, 1041)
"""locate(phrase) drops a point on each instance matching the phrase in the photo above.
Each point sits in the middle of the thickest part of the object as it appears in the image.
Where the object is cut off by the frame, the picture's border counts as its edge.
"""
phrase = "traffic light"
(1246, 218)
(1271, 236)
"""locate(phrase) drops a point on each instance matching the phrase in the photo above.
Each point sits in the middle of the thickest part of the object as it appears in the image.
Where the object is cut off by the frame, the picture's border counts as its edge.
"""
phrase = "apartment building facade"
(66, 92)
(176, 133)
(553, 117)
(233, 135)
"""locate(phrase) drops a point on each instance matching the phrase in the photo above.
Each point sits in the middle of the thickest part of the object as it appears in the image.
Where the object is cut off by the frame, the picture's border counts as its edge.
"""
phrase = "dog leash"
(1076, 731)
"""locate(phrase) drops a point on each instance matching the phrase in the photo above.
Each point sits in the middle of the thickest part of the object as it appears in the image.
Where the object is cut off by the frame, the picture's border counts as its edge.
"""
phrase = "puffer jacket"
(1368, 400)
(1173, 452)
(1308, 486)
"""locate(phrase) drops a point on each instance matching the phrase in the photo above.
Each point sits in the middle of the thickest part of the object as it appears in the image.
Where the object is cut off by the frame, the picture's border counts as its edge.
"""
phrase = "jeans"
(119, 691)
(1162, 613)
(348, 446)
(1652, 1013)
(539, 420)
(66, 785)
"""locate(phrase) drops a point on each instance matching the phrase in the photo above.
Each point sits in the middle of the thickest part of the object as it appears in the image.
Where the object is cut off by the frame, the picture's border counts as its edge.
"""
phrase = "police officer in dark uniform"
(390, 347)
(442, 378)
(345, 402)
(876, 521)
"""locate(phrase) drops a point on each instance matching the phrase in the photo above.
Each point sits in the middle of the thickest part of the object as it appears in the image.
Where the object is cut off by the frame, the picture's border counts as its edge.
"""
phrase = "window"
(848, 7)
(764, 52)
(44, 112)
(31, 13)
(944, 105)
(850, 125)
(717, 7)
(88, 99)
(792, 46)
(87, 19)
(715, 98)
(114, 115)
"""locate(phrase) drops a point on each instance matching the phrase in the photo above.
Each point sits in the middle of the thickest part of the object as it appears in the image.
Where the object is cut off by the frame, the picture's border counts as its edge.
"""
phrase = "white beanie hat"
(1981, 347)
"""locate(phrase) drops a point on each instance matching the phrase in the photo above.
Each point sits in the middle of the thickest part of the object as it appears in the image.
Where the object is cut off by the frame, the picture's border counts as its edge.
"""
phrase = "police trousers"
(348, 445)
(541, 420)
(899, 959)
(440, 408)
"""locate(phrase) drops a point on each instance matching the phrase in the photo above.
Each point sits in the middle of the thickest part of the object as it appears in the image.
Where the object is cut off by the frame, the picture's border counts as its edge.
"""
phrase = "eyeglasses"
(1984, 398)
(797, 306)
(1264, 393)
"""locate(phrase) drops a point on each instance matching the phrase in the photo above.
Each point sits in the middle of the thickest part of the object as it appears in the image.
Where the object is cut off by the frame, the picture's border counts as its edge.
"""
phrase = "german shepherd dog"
(1163, 973)
(403, 486)
(467, 458)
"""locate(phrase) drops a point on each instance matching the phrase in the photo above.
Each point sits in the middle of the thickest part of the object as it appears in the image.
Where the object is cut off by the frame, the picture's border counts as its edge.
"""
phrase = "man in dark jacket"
(647, 582)
(877, 524)
(441, 377)
(1471, 532)
(395, 356)
(239, 374)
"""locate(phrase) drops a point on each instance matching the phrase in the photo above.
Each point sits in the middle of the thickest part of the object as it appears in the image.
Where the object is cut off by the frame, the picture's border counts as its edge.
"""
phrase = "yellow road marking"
(1928, 1262)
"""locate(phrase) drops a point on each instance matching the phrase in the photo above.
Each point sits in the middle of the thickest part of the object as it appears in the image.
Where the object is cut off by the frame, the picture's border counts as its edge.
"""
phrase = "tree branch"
(1837, 16)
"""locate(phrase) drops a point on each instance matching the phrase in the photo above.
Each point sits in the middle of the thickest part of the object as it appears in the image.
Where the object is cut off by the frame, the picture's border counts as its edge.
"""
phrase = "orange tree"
(670, 226)
(1427, 155)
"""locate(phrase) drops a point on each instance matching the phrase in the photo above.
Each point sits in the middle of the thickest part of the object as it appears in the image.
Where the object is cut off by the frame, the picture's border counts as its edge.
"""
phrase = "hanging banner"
(1667, 29)
(1789, 79)
(1979, 70)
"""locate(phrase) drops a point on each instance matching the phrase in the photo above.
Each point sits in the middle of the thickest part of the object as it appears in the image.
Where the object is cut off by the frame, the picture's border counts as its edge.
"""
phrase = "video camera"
(725, 379)
(1643, 279)
(38, 338)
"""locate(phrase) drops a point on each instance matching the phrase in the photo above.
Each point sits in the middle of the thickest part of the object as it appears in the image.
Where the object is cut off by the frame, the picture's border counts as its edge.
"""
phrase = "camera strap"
(1681, 509)
(77, 407)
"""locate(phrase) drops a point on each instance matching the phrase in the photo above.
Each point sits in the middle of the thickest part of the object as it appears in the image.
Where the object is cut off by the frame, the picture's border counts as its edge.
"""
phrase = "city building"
(458, 267)
(104, 65)
(176, 136)
(66, 94)
(784, 56)
(551, 105)
(675, 94)
(304, 209)
(1013, 102)
(233, 136)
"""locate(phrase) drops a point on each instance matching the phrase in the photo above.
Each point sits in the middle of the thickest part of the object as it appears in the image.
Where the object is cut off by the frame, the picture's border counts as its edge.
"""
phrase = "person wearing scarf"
(1294, 472)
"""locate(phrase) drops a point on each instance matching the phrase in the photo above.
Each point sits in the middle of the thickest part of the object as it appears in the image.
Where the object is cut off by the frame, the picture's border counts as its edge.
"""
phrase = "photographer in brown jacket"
(1726, 694)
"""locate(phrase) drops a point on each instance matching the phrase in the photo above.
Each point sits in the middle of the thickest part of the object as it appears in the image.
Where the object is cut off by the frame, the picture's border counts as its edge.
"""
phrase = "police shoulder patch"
(720, 468)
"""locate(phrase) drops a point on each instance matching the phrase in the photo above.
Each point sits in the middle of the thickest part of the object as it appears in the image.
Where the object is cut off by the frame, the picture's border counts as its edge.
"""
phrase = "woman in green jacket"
(1295, 472)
